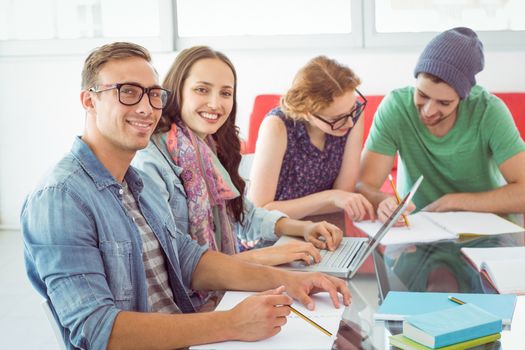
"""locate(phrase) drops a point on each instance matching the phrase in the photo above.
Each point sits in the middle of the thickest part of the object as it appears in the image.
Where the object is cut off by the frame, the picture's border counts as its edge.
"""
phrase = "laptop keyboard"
(342, 256)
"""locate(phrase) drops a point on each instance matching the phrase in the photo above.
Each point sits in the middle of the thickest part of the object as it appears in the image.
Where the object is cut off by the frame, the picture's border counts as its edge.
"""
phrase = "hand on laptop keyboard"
(283, 253)
(323, 235)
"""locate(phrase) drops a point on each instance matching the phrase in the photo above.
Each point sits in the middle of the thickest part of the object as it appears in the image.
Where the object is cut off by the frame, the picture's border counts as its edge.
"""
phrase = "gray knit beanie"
(455, 56)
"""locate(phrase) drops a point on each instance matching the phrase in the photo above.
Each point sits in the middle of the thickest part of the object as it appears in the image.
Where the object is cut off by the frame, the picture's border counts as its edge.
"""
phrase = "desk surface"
(438, 267)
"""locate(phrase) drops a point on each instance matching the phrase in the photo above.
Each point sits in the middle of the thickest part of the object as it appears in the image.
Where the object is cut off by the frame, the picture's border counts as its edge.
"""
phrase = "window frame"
(362, 36)
(62, 47)
(315, 41)
(492, 40)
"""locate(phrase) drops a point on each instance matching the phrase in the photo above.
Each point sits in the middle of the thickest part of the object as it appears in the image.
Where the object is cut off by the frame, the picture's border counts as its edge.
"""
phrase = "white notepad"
(432, 226)
(503, 266)
(296, 333)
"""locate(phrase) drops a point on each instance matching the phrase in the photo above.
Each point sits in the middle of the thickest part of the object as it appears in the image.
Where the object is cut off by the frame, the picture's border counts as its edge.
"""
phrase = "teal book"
(450, 326)
(402, 342)
(398, 305)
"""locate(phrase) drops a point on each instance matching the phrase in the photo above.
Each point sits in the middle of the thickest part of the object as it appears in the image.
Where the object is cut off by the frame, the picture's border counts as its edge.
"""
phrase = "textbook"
(398, 305)
(433, 226)
(402, 342)
(296, 333)
(501, 266)
(450, 326)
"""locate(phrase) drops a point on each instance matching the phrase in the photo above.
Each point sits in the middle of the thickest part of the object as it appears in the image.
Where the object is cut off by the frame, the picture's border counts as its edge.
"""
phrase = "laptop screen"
(374, 241)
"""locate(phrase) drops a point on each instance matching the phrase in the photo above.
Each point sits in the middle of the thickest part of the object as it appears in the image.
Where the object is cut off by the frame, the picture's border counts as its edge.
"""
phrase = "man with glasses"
(458, 135)
(102, 247)
(308, 149)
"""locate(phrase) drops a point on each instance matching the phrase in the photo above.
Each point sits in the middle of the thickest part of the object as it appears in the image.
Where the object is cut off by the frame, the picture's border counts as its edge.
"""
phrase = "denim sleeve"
(63, 261)
(189, 253)
(167, 183)
(259, 223)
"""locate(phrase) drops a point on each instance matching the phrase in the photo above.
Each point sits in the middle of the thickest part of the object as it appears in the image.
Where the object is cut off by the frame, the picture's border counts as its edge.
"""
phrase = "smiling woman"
(208, 95)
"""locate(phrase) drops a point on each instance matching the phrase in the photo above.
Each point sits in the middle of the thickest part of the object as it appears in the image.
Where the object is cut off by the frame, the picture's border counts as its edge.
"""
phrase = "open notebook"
(432, 226)
(502, 266)
(296, 333)
(353, 251)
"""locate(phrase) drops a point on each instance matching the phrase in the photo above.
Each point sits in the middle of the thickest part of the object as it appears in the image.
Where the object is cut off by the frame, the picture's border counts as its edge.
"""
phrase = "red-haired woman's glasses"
(338, 123)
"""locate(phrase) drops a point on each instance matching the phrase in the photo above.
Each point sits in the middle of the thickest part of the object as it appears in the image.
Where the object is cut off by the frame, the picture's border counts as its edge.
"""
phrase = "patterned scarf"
(208, 188)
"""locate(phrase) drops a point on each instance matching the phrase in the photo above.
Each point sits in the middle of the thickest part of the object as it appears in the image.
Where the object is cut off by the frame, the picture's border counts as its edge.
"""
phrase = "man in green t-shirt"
(459, 136)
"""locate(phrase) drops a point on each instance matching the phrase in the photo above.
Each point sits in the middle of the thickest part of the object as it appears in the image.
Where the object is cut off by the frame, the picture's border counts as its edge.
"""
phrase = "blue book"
(450, 326)
(398, 305)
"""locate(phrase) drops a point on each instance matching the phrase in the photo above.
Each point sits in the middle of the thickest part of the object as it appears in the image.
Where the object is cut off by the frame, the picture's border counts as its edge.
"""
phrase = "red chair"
(265, 103)
(373, 102)
(261, 106)
(515, 101)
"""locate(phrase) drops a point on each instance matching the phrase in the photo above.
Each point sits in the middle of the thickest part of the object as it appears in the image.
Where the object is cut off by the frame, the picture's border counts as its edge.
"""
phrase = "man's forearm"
(210, 274)
(313, 204)
(504, 200)
(135, 330)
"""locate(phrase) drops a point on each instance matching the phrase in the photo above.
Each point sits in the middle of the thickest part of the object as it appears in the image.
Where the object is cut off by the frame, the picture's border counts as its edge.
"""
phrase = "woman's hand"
(282, 254)
(356, 206)
(331, 235)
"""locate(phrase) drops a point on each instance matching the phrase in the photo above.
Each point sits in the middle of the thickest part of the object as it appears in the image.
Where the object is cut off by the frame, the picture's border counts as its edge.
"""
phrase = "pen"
(456, 300)
(397, 196)
(312, 322)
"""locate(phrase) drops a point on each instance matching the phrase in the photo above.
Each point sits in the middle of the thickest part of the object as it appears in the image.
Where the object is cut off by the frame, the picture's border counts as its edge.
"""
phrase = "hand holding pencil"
(397, 196)
(259, 316)
(390, 203)
(262, 315)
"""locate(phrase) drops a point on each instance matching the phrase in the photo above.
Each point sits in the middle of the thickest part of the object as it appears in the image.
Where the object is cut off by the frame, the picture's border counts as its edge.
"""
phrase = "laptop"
(353, 251)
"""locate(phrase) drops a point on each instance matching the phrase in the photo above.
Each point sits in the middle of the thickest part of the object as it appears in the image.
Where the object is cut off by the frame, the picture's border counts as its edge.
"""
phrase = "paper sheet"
(296, 334)
(515, 338)
(420, 230)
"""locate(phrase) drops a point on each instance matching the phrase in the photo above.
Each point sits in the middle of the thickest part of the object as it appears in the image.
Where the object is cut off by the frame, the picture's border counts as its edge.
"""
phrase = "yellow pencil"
(456, 300)
(397, 196)
(310, 321)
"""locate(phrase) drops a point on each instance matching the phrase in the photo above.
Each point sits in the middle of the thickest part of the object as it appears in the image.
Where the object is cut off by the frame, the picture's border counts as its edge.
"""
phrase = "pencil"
(310, 321)
(397, 196)
(456, 300)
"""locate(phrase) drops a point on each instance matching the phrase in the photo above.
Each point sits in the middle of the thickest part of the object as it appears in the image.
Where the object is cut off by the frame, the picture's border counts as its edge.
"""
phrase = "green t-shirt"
(466, 159)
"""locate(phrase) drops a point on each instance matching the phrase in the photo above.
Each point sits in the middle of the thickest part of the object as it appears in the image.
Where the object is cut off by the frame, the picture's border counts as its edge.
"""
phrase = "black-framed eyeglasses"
(338, 123)
(130, 94)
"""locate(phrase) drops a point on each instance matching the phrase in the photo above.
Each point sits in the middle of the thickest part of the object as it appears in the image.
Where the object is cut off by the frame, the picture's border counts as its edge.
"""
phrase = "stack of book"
(460, 327)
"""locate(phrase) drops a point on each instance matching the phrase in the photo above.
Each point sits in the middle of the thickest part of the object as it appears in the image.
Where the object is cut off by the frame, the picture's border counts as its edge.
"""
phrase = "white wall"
(40, 108)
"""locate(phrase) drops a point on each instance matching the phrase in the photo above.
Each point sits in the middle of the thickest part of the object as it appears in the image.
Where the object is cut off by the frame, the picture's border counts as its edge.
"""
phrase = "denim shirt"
(259, 223)
(83, 252)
